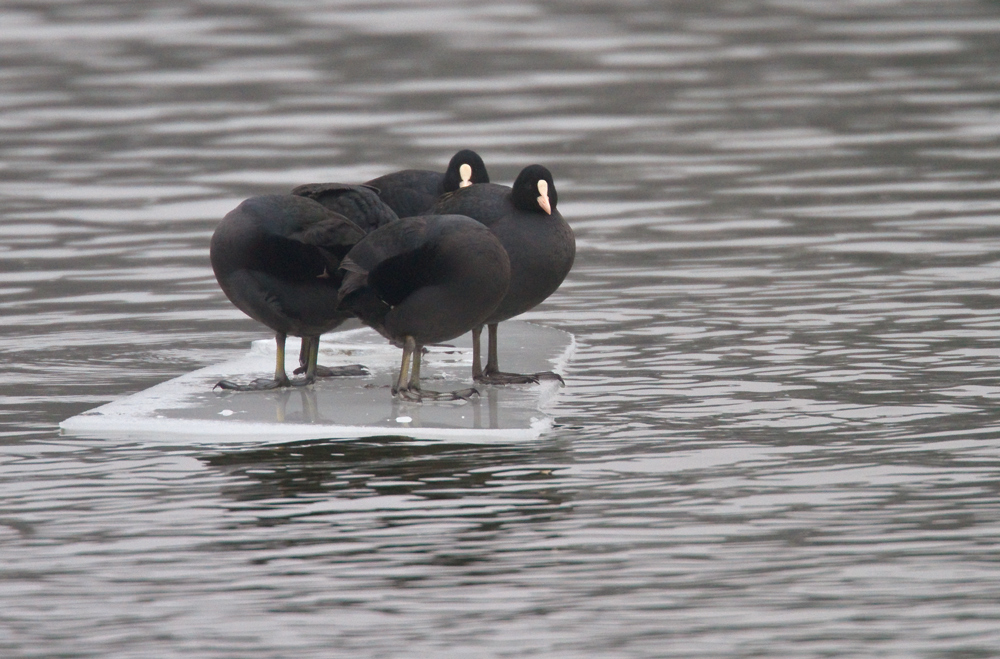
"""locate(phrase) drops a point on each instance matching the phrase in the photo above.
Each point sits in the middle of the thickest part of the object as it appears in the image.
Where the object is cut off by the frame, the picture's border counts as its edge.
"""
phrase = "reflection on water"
(779, 433)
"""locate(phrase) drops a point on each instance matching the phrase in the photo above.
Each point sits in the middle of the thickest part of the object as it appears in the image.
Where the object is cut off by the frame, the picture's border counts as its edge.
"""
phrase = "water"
(779, 436)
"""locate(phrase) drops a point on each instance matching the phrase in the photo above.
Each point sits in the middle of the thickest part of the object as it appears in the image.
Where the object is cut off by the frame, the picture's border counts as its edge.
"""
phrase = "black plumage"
(538, 241)
(424, 280)
(412, 191)
(358, 203)
(277, 258)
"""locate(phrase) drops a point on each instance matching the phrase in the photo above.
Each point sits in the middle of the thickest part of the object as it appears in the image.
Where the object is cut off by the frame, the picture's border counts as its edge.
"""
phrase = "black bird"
(412, 191)
(277, 258)
(423, 280)
(538, 241)
(358, 203)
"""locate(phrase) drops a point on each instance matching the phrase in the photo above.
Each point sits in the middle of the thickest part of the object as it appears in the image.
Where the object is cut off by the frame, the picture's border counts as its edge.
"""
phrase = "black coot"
(538, 241)
(423, 280)
(412, 191)
(277, 258)
(358, 203)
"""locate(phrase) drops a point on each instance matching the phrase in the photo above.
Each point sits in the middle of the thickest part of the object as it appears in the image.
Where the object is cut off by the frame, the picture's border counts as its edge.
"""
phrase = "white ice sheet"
(187, 409)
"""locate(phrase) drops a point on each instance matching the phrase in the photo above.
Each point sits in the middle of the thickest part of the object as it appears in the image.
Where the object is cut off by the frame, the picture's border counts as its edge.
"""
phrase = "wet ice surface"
(194, 410)
(778, 436)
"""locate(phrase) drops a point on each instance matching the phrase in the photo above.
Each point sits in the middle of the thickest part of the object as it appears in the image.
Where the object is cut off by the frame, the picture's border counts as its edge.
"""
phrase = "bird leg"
(411, 390)
(404, 367)
(493, 375)
(477, 367)
(263, 384)
(304, 350)
(310, 345)
(414, 383)
(325, 371)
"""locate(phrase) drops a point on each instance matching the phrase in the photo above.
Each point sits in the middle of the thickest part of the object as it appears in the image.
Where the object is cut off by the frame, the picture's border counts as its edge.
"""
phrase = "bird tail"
(355, 279)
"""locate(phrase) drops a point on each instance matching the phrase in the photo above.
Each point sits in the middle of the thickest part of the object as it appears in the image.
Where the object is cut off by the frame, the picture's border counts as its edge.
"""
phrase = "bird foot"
(260, 384)
(464, 394)
(418, 395)
(351, 370)
(550, 375)
(263, 384)
(502, 378)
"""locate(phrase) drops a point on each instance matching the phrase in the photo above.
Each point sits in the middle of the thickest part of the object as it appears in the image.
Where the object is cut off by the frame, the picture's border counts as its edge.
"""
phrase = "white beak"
(465, 171)
(543, 197)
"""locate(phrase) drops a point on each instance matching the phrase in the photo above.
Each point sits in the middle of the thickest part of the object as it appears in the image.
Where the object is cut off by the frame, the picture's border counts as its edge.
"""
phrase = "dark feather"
(395, 278)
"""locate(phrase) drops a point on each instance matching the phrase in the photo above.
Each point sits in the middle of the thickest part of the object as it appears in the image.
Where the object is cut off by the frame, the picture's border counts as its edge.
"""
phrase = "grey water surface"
(780, 436)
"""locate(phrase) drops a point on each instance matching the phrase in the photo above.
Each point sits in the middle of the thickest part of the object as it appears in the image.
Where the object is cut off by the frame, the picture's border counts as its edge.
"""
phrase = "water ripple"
(778, 435)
